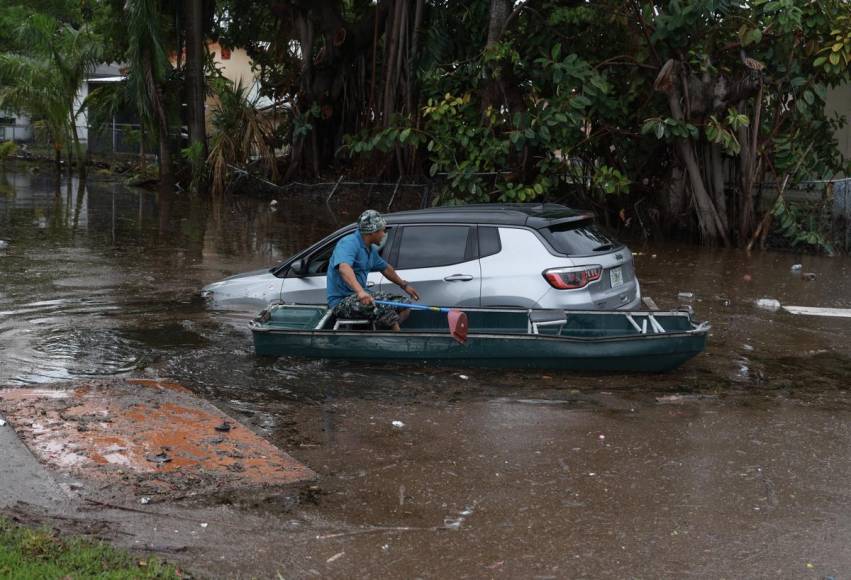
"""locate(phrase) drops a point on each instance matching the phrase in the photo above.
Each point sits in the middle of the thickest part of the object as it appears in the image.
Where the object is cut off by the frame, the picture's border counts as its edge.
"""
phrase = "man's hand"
(412, 292)
(366, 298)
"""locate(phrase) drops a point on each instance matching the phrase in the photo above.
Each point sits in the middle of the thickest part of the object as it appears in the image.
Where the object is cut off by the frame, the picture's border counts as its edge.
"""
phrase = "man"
(355, 256)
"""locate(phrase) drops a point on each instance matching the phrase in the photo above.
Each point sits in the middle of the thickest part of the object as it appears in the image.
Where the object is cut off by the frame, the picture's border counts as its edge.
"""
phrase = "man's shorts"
(350, 308)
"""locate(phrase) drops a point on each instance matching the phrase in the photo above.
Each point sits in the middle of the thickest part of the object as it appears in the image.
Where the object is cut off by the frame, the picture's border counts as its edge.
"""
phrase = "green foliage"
(474, 146)
(669, 128)
(47, 63)
(801, 227)
(146, 56)
(40, 553)
(835, 58)
(7, 149)
(240, 133)
(610, 181)
(194, 155)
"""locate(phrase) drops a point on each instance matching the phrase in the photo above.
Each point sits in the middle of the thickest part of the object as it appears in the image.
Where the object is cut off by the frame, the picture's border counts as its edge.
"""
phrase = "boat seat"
(547, 318)
(346, 324)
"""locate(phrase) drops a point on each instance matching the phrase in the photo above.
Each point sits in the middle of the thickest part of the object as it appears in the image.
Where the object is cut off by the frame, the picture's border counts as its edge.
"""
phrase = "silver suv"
(526, 255)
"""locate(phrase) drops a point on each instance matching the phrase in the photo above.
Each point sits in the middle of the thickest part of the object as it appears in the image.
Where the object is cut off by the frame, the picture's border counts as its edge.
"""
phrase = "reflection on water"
(94, 284)
(565, 474)
(102, 279)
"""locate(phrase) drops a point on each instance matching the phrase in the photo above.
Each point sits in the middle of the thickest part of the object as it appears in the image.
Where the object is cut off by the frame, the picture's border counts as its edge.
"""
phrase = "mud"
(732, 466)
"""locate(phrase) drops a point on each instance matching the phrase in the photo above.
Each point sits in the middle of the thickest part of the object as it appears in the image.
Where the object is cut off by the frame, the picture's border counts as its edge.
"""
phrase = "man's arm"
(348, 275)
(391, 275)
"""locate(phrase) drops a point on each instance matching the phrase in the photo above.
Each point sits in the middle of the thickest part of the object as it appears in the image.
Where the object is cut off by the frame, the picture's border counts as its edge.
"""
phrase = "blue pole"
(412, 306)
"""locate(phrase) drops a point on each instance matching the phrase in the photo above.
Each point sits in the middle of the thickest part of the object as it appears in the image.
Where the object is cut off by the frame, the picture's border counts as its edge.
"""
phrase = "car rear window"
(580, 239)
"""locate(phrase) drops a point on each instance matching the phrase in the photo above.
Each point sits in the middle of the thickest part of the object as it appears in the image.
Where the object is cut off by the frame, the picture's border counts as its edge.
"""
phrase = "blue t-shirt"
(351, 250)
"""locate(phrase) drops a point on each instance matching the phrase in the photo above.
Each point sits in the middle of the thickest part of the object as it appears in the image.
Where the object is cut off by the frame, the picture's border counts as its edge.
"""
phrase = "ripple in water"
(76, 353)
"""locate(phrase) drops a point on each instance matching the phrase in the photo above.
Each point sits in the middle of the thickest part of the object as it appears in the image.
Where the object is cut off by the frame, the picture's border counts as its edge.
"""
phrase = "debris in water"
(747, 347)
(2, 421)
(769, 304)
(601, 436)
(224, 427)
(3, 244)
(464, 377)
(815, 311)
(649, 302)
(204, 524)
(685, 296)
(336, 556)
(796, 267)
(808, 276)
(747, 278)
(398, 424)
(145, 500)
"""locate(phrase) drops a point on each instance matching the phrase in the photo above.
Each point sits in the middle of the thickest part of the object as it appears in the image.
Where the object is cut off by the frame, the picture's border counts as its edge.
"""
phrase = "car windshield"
(580, 239)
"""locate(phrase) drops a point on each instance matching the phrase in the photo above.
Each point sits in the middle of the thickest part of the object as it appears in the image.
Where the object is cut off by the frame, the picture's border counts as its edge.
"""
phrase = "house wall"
(19, 130)
(235, 64)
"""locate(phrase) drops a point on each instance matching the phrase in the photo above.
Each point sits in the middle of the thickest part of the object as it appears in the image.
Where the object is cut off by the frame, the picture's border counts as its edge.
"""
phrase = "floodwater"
(733, 466)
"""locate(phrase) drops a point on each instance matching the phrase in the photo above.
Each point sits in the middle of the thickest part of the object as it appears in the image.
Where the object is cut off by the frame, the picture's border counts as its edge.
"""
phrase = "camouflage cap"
(371, 221)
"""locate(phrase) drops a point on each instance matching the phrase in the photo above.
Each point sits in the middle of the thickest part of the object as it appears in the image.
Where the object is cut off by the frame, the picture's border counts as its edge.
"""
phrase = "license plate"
(616, 276)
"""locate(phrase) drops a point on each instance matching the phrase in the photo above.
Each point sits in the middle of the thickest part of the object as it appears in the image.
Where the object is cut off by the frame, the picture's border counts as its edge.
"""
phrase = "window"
(580, 239)
(317, 264)
(489, 243)
(430, 246)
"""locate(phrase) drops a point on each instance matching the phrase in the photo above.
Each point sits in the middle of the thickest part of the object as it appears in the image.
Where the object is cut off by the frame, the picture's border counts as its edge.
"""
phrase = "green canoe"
(505, 338)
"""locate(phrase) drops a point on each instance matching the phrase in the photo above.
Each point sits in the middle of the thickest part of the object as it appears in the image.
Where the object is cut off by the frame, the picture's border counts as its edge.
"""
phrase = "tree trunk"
(711, 226)
(196, 93)
(166, 175)
(751, 168)
(716, 177)
(78, 151)
(499, 12)
(392, 39)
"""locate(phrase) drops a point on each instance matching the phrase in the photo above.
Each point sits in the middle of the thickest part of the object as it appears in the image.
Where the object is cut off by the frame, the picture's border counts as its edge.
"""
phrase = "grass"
(27, 553)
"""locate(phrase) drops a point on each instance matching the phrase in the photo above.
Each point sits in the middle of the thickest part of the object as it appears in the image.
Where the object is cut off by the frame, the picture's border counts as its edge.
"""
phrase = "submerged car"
(516, 255)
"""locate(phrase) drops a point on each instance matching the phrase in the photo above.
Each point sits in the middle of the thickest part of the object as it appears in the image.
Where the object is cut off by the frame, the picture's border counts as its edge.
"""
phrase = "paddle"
(458, 324)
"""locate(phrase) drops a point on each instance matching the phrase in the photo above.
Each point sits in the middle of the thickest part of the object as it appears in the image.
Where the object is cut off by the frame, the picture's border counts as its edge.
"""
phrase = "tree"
(195, 19)
(148, 69)
(45, 75)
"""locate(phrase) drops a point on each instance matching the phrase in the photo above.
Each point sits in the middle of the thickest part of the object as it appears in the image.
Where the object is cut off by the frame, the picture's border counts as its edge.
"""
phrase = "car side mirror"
(298, 268)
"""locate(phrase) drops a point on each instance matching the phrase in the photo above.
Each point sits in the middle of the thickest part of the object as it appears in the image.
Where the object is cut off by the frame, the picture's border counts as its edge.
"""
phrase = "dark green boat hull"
(591, 344)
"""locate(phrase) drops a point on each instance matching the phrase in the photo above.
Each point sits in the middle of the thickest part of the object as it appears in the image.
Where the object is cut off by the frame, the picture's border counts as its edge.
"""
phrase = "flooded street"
(734, 465)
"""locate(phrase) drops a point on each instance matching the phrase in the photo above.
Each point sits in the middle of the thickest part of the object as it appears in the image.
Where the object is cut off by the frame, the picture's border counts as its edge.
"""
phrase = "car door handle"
(458, 278)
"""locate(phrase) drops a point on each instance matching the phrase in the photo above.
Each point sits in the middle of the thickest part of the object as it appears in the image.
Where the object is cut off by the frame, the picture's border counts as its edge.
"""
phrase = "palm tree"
(148, 66)
(44, 81)
(240, 133)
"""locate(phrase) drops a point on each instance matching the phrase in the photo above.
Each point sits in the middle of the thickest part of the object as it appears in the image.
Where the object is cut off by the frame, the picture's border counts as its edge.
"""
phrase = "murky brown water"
(732, 466)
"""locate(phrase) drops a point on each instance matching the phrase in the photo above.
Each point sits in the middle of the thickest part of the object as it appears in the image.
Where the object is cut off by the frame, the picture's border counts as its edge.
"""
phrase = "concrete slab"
(153, 434)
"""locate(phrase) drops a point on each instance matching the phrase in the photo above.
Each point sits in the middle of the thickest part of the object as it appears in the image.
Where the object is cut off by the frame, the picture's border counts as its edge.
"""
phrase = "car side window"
(432, 246)
(489, 242)
(317, 264)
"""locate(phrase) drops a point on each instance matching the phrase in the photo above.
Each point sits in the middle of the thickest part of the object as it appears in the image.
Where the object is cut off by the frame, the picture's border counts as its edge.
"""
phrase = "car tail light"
(573, 278)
